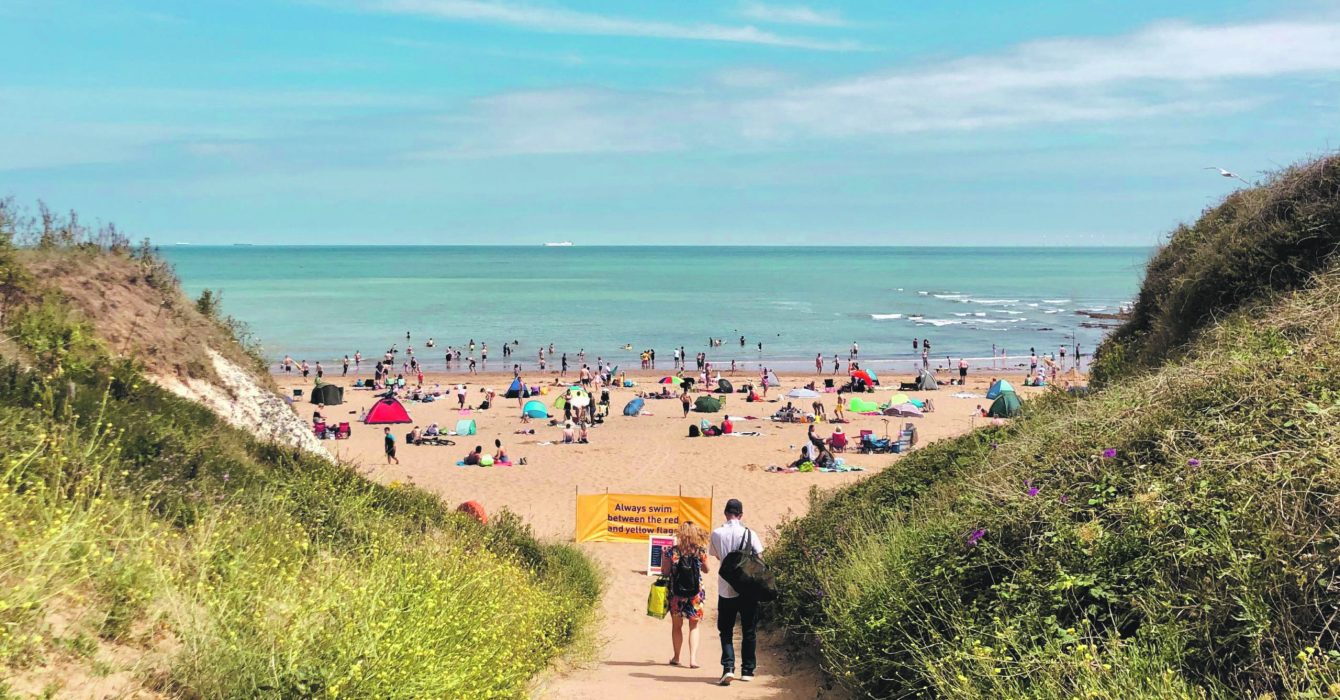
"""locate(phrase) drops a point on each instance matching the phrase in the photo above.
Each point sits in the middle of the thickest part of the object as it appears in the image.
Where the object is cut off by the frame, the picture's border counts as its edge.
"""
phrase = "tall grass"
(133, 520)
(1258, 242)
(1181, 542)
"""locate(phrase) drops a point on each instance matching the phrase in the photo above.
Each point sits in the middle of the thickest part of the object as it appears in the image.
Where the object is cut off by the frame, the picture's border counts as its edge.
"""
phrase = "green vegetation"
(135, 524)
(1259, 242)
(1172, 535)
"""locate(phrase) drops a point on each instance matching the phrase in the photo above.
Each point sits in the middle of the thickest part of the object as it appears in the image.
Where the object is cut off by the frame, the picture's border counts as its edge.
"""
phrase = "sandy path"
(647, 454)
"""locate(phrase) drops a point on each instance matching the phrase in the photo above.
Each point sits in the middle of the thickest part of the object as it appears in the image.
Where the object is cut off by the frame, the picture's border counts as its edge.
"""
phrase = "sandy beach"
(646, 454)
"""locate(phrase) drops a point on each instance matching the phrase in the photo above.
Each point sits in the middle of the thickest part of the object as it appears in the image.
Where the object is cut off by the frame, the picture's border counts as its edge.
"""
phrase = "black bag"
(693, 430)
(685, 576)
(745, 571)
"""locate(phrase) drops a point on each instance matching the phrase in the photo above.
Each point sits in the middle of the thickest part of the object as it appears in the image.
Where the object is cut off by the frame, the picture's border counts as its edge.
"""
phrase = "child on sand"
(389, 440)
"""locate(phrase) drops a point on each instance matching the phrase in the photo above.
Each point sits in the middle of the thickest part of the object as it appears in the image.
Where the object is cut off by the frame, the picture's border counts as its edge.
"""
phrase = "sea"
(985, 304)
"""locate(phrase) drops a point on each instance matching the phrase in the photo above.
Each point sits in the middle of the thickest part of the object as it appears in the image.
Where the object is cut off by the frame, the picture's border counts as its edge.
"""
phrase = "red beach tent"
(388, 410)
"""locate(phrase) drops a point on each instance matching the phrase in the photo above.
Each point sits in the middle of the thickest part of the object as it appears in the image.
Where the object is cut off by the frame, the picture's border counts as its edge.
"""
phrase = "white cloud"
(1164, 69)
(791, 14)
(565, 21)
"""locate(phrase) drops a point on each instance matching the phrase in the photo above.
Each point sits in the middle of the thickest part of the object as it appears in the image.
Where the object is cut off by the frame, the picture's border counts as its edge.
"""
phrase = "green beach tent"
(707, 404)
(1006, 405)
(862, 406)
(328, 395)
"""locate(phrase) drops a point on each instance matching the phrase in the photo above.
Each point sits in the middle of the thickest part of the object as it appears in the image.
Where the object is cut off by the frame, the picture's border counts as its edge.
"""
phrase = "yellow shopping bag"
(658, 600)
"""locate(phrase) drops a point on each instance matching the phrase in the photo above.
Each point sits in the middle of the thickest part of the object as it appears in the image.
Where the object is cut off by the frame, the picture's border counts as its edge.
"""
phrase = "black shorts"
(962, 371)
(390, 450)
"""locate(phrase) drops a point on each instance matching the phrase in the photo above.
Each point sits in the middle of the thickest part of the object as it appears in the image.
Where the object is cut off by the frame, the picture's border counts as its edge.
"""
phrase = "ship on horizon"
(559, 244)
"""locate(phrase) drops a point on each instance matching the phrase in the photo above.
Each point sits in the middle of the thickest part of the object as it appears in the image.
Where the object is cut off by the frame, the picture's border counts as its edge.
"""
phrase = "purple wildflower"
(976, 535)
(994, 445)
(1109, 453)
(1033, 491)
(1065, 498)
(1193, 462)
(225, 476)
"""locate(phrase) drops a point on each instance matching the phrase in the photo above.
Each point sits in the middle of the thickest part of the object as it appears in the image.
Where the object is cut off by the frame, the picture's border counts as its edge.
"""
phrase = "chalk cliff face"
(141, 313)
(244, 403)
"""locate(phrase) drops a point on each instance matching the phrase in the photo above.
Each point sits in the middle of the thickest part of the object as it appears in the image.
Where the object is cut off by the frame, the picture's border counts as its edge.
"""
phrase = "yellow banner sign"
(625, 517)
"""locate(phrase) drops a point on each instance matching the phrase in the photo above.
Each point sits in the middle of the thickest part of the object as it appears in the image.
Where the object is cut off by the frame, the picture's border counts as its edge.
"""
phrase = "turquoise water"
(320, 303)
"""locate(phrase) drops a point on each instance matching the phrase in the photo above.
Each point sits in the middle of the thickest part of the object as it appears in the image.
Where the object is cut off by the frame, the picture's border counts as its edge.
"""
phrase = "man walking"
(730, 604)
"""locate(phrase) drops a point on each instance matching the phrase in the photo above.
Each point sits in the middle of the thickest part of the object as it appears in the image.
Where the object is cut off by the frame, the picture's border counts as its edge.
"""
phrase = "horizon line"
(187, 244)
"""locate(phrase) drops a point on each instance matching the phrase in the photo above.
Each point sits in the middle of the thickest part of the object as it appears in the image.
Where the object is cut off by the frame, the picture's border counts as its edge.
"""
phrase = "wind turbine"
(1225, 173)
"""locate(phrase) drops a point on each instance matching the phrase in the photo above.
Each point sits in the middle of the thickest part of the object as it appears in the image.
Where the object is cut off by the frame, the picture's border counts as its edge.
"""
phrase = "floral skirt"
(688, 608)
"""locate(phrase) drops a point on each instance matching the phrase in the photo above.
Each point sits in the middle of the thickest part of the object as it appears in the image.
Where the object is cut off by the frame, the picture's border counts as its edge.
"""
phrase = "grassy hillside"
(1173, 535)
(1259, 242)
(148, 549)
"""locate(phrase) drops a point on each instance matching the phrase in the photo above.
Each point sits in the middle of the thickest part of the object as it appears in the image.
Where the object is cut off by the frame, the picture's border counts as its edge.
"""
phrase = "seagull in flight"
(1226, 173)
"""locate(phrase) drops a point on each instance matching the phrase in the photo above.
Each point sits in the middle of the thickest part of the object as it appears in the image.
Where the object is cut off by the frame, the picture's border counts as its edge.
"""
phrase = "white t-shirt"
(727, 539)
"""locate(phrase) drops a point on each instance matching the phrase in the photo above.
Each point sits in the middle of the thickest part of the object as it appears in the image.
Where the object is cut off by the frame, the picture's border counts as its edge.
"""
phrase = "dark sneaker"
(726, 678)
(746, 677)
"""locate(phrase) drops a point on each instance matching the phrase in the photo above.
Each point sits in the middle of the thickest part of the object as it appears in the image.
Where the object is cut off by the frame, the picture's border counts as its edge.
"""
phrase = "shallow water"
(320, 303)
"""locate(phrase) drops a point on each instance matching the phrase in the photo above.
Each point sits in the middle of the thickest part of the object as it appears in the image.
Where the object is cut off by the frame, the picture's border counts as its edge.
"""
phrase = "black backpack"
(686, 577)
(745, 571)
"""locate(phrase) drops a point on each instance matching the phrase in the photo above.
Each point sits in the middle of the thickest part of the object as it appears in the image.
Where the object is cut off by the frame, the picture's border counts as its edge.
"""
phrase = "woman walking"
(685, 563)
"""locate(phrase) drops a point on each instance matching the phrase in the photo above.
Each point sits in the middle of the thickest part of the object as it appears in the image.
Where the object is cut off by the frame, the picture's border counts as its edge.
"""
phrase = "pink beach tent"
(387, 410)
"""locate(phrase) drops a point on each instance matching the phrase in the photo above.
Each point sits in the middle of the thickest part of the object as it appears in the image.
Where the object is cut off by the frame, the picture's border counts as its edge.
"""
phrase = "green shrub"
(1259, 242)
(1181, 541)
(133, 514)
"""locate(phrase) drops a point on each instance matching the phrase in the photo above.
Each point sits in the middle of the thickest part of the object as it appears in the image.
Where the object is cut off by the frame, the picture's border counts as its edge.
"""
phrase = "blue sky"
(742, 122)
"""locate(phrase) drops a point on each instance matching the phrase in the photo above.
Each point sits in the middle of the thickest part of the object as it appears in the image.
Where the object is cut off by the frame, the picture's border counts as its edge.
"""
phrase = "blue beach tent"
(535, 409)
(633, 408)
(998, 386)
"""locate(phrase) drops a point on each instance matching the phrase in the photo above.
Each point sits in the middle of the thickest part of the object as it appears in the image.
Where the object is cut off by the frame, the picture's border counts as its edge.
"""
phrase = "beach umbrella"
(671, 380)
(863, 376)
(802, 394)
(581, 401)
(904, 409)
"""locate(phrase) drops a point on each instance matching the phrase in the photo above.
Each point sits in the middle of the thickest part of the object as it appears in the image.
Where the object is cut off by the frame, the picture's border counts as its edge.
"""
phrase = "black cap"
(734, 507)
